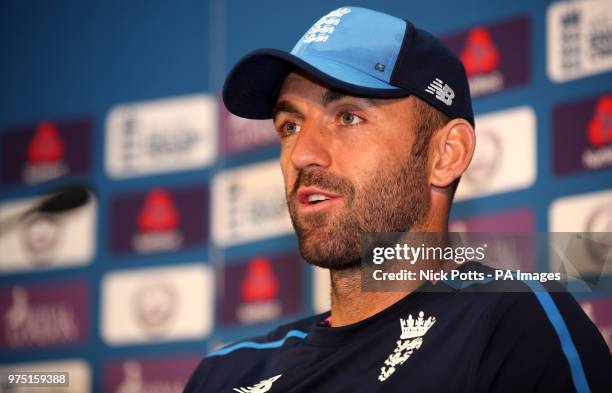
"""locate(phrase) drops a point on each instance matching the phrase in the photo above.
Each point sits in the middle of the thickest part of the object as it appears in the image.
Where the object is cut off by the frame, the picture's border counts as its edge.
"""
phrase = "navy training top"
(448, 337)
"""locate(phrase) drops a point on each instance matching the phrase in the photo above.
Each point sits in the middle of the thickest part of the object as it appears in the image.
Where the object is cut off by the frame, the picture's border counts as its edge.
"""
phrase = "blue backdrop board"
(185, 243)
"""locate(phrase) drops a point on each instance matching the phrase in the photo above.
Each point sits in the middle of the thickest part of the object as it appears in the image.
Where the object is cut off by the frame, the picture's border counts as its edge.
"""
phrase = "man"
(376, 128)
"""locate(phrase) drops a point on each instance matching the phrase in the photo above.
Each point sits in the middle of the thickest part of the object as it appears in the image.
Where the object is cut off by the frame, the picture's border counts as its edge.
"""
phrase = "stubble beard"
(389, 202)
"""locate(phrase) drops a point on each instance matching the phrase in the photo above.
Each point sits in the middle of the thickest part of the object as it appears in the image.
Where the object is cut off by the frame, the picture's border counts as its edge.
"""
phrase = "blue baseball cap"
(359, 52)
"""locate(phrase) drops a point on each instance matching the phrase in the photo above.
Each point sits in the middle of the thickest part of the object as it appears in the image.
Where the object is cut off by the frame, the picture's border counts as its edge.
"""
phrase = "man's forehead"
(300, 84)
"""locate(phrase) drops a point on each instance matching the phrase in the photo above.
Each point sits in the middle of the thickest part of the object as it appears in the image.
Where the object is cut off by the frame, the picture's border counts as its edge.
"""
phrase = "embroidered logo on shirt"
(410, 340)
(260, 387)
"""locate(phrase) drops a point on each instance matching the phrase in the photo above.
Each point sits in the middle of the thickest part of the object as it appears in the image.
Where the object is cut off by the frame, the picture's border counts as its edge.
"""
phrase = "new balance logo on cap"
(442, 91)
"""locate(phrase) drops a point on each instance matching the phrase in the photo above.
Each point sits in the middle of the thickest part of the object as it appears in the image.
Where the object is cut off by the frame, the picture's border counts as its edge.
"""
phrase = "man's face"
(348, 167)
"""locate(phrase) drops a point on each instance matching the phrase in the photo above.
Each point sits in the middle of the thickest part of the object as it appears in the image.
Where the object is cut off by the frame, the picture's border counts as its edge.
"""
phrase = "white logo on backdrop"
(506, 135)
(178, 308)
(155, 305)
(46, 241)
(589, 251)
(579, 39)
(161, 136)
(589, 212)
(487, 158)
(249, 204)
(41, 234)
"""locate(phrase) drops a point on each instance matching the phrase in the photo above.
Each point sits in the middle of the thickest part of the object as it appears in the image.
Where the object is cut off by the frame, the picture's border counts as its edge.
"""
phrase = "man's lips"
(314, 199)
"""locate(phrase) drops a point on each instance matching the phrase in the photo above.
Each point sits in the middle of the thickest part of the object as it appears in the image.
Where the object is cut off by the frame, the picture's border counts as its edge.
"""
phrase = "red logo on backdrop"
(599, 131)
(46, 145)
(158, 213)
(480, 55)
(260, 282)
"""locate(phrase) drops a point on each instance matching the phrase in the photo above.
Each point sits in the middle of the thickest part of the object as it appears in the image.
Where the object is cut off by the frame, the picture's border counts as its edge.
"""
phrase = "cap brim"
(252, 86)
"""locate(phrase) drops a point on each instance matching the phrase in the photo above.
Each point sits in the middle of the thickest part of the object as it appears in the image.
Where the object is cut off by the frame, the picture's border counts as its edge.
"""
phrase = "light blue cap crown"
(360, 52)
(357, 45)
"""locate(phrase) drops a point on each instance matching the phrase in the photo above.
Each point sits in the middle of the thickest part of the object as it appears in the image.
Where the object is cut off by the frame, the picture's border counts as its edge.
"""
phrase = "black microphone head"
(67, 199)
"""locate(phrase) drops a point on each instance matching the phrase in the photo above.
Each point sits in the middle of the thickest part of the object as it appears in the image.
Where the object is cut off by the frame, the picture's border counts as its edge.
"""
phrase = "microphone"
(67, 199)
(57, 202)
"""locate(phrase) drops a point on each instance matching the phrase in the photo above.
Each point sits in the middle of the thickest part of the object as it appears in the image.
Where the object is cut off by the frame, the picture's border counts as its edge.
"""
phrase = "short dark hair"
(428, 121)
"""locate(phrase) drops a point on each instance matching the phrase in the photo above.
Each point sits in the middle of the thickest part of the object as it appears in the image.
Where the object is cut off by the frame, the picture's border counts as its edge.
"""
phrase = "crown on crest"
(412, 328)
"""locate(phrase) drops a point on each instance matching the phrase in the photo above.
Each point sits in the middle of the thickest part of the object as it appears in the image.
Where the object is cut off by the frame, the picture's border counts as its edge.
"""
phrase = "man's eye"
(349, 119)
(290, 128)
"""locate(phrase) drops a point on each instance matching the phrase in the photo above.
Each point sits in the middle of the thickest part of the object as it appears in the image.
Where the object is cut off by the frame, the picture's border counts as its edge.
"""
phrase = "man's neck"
(349, 304)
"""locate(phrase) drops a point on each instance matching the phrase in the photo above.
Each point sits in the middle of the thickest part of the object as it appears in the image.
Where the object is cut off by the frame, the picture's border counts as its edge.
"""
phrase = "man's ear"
(451, 151)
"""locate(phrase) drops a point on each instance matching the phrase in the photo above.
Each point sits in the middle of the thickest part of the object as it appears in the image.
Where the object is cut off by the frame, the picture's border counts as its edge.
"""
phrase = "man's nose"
(312, 147)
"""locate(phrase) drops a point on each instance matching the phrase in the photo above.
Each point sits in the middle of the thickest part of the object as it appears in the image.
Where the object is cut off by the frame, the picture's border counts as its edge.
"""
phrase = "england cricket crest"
(260, 387)
(410, 340)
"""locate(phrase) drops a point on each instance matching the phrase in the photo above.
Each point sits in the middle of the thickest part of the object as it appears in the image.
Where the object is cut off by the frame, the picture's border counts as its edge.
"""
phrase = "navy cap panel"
(432, 72)
(251, 88)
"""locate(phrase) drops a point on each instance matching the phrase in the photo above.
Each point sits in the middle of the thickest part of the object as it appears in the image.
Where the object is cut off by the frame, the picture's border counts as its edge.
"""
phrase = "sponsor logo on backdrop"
(513, 221)
(43, 316)
(505, 156)
(78, 370)
(46, 155)
(43, 241)
(579, 39)
(41, 235)
(582, 135)
(600, 126)
(599, 225)
(240, 135)
(160, 136)
(261, 289)
(45, 151)
(496, 56)
(590, 214)
(259, 293)
(487, 158)
(520, 220)
(160, 220)
(599, 312)
(481, 59)
(600, 219)
(157, 304)
(249, 204)
(163, 375)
